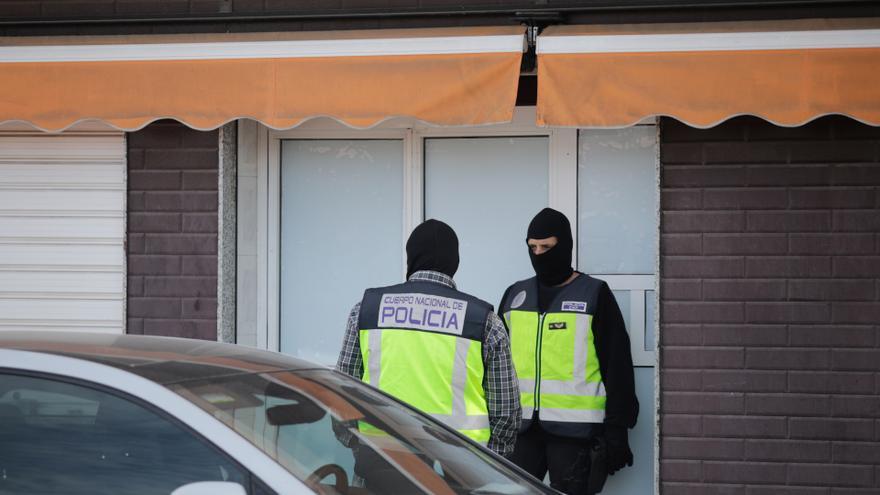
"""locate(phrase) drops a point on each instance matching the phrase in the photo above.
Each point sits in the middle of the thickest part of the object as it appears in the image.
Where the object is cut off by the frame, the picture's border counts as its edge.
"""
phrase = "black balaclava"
(432, 245)
(553, 266)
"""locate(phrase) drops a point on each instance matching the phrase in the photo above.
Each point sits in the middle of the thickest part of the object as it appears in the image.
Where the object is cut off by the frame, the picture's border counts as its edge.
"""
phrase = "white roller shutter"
(62, 229)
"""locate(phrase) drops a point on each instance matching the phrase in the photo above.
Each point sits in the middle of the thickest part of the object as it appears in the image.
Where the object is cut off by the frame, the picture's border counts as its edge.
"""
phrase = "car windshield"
(341, 436)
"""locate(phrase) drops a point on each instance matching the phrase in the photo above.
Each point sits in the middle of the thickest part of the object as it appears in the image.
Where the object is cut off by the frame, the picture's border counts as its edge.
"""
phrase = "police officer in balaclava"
(572, 356)
(408, 336)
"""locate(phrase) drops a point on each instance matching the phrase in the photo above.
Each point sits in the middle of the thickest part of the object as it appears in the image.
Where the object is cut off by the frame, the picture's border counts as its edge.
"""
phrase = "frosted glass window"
(341, 232)
(488, 190)
(623, 298)
(617, 200)
(649, 320)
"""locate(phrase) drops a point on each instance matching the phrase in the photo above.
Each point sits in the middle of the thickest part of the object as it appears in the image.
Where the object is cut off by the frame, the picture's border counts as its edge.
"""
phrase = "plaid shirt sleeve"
(350, 361)
(501, 386)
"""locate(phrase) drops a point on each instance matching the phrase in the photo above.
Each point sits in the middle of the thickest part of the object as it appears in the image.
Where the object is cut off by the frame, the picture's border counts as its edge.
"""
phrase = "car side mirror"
(294, 414)
(210, 488)
(302, 411)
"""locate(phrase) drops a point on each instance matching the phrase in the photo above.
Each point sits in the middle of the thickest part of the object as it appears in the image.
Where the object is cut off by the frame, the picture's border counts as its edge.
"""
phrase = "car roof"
(163, 360)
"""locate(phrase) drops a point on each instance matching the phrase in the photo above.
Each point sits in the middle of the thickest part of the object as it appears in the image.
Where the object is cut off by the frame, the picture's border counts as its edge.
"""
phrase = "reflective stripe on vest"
(440, 374)
(569, 388)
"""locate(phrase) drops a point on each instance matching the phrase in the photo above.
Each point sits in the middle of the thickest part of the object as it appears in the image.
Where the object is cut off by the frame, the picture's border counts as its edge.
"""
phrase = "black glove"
(617, 444)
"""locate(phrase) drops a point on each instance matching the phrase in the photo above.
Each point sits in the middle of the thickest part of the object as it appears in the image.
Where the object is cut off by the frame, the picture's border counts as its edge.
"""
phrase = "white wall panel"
(66, 149)
(62, 224)
(62, 230)
(46, 201)
(36, 308)
(58, 282)
(52, 253)
(55, 175)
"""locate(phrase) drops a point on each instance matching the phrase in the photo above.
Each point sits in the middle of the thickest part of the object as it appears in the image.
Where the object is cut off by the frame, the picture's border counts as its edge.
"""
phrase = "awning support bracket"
(535, 22)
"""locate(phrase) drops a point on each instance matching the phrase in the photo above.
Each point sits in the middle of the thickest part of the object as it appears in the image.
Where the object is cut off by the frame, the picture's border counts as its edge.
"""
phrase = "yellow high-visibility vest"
(421, 342)
(555, 357)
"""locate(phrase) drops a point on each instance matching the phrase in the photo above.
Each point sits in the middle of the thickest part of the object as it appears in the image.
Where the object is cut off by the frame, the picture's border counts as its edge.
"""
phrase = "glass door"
(487, 189)
(341, 232)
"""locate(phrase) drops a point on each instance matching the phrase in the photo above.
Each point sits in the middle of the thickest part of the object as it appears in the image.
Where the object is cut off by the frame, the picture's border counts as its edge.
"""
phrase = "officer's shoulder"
(593, 283)
(476, 299)
(515, 288)
(591, 280)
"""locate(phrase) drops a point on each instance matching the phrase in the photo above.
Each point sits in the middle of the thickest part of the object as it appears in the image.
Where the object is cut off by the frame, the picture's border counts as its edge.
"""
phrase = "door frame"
(264, 146)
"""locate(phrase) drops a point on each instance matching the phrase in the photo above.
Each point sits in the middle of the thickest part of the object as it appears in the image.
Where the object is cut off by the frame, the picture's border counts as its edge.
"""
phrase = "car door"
(59, 435)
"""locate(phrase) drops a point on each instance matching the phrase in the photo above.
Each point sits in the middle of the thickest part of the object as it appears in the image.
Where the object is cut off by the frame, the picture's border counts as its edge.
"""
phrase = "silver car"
(108, 414)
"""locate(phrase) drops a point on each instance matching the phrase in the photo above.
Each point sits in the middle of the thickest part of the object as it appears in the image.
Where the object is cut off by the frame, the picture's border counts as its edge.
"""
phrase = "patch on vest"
(518, 299)
(558, 325)
(422, 312)
(574, 306)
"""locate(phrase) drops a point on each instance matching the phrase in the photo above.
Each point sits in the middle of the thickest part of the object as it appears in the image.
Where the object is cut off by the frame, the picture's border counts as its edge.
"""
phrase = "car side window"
(61, 437)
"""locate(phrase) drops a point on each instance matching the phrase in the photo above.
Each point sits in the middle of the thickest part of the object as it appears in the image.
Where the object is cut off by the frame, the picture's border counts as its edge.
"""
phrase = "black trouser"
(567, 459)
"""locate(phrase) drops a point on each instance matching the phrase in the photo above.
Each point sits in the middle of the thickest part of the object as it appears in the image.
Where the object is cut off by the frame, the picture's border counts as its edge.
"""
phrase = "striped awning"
(450, 76)
(787, 72)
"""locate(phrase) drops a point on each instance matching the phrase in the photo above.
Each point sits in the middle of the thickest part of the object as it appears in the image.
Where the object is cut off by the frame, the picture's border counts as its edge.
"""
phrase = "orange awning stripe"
(703, 77)
(441, 77)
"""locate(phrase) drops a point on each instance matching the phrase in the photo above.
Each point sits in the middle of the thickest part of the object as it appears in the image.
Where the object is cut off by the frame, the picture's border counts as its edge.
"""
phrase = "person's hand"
(617, 443)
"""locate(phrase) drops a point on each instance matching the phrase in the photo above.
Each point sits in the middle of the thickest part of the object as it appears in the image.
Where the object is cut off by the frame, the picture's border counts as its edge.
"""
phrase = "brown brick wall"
(770, 261)
(172, 231)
